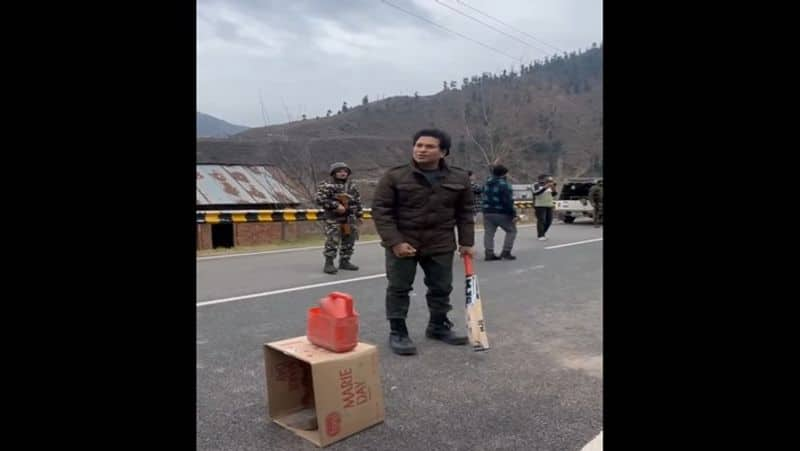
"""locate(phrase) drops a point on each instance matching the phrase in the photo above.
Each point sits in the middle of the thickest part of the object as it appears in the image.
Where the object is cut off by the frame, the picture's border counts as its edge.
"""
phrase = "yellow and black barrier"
(228, 217)
(288, 215)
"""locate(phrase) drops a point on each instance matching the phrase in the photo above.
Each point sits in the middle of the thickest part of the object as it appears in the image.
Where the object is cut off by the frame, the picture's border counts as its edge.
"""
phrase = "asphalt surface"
(539, 387)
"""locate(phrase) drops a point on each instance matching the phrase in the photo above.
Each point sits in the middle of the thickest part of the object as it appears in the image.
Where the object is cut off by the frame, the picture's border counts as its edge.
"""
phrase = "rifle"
(344, 199)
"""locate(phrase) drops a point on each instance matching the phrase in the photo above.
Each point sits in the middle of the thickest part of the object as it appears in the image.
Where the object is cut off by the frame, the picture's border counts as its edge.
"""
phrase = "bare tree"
(297, 160)
(486, 131)
(487, 135)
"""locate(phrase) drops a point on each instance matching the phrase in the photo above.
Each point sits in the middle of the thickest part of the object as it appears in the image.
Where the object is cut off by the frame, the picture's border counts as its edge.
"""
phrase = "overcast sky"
(311, 55)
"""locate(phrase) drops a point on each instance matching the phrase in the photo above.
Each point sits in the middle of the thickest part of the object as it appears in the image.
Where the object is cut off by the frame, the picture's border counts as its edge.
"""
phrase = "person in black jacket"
(418, 207)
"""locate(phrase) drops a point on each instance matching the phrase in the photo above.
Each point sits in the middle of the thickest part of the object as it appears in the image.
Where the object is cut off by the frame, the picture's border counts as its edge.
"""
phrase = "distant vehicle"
(573, 199)
(522, 192)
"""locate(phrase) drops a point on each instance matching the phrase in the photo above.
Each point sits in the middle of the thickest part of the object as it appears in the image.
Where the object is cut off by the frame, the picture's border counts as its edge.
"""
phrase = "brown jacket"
(407, 208)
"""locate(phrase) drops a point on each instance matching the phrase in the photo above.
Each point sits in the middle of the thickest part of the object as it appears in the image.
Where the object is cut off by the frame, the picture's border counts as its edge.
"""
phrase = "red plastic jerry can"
(334, 324)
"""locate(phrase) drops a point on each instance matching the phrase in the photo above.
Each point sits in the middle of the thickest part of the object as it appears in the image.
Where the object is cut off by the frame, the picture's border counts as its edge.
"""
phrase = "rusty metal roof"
(225, 185)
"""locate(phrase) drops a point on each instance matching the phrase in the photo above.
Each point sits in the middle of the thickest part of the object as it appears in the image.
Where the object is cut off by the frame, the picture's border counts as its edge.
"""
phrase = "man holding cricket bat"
(416, 208)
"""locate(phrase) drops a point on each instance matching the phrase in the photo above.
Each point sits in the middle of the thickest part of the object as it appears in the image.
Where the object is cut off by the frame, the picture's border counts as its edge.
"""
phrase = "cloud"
(313, 55)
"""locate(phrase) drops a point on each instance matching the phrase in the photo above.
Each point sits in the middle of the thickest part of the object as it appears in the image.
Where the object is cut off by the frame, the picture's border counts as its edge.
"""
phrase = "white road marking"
(288, 290)
(574, 244)
(596, 444)
(338, 282)
(308, 248)
(531, 268)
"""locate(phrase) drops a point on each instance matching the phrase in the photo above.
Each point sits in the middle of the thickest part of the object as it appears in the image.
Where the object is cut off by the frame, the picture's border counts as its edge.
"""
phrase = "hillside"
(211, 127)
(545, 118)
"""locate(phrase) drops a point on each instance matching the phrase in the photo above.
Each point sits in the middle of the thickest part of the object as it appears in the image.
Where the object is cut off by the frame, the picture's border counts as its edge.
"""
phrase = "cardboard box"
(320, 395)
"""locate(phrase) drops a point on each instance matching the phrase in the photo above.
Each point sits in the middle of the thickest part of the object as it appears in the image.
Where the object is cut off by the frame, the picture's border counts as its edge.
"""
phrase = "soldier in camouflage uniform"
(477, 189)
(596, 197)
(331, 196)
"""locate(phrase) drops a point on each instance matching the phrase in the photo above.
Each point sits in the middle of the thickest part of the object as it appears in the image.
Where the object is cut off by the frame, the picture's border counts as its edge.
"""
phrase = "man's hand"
(515, 220)
(340, 209)
(359, 221)
(464, 250)
(404, 250)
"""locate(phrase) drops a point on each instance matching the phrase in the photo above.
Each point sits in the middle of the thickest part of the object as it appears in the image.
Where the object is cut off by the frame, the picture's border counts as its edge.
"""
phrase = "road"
(538, 388)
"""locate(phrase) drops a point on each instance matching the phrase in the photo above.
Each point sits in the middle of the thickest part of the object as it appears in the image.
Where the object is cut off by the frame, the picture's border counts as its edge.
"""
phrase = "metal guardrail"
(288, 215)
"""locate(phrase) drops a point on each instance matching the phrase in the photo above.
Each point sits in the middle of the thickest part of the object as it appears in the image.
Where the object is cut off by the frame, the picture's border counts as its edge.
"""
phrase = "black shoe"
(490, 256)
(506, 255)
(401, 344)
(329, 267)
(344, 263)
(399, 340)
(442, 330)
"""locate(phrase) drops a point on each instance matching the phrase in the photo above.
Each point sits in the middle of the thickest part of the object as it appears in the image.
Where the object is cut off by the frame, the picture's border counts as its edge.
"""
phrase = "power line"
(493, 28)
(509, 26)
(451, 31)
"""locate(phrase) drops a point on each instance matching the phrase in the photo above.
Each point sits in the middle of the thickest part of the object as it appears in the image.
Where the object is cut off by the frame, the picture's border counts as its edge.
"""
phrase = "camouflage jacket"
(596, 194)
(477, 190)
(326, 199)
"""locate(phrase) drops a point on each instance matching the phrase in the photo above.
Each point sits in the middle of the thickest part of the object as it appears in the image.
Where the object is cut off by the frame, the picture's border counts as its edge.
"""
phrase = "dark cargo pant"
(333, 237)
(544, 217)
(400, 272)
(598, 213)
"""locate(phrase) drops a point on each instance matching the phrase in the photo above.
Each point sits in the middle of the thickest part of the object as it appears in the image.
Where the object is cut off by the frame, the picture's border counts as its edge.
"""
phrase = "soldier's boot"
(506, 255)
(329, 267)
(399, 340)
(440, 328)
(491, 256)
(344, 263)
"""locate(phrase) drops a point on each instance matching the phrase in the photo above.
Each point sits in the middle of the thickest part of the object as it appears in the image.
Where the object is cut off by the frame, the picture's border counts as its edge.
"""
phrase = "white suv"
(573, 199)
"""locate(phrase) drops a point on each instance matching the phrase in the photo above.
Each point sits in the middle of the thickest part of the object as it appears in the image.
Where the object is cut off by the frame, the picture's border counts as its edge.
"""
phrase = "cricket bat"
(476, 327)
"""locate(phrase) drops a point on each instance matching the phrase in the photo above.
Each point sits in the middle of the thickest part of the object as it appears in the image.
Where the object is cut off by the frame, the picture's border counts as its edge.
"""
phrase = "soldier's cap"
(340, 165)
